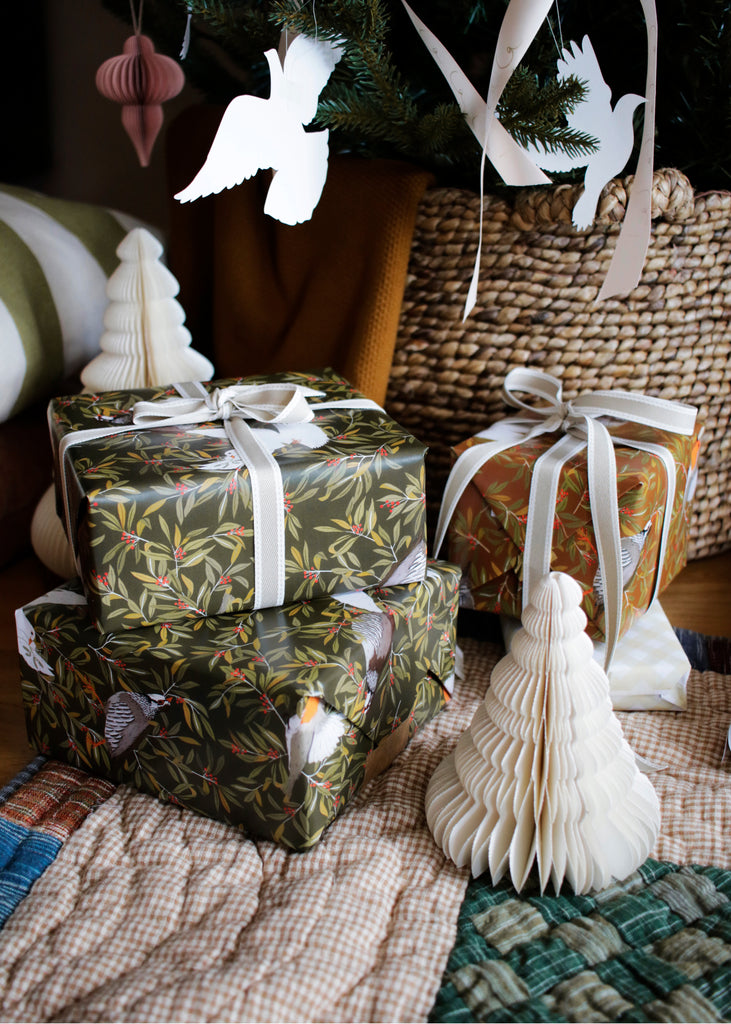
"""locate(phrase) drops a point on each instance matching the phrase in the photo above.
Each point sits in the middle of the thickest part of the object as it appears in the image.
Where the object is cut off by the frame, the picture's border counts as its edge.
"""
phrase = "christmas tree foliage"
(388, 98)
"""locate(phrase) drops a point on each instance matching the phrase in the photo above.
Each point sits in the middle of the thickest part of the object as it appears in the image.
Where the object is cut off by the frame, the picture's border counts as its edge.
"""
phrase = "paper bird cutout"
(256, 134)
(612, 127)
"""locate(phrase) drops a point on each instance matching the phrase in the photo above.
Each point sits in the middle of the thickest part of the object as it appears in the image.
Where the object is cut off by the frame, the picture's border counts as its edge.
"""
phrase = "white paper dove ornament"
(612, 127)
(544, 777)
(256, 134)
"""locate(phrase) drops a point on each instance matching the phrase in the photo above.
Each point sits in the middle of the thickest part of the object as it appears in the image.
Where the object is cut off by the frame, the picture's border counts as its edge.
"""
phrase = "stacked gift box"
(255, 629)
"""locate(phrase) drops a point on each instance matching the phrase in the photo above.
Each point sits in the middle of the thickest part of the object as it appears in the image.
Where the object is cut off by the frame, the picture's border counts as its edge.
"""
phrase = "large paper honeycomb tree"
(544, 776)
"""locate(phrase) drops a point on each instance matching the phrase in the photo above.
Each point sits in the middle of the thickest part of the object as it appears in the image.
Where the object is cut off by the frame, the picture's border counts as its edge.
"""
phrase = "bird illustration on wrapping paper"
(127, 717)
(313, 735)
(411, 568)
(257, 134)
(630, 553)
(272, 437)
(27, 641)
(612, 127)
(311, 738)
(375, 632)
(28, 645)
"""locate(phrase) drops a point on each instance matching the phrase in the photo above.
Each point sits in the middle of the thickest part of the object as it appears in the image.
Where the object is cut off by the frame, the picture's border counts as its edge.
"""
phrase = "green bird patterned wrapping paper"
(269, 720)
(486, 536)
(163, 516)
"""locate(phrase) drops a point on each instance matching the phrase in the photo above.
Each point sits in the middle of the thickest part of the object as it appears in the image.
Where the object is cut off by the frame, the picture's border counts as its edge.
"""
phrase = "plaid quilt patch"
(38, 811)
(656, 947)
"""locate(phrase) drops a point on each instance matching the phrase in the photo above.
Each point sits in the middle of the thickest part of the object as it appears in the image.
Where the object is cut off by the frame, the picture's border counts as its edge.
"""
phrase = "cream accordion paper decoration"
(145, 342)
(544, 775)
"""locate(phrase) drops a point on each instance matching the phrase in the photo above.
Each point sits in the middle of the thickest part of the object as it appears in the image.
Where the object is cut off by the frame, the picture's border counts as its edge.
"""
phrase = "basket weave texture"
(536, 306)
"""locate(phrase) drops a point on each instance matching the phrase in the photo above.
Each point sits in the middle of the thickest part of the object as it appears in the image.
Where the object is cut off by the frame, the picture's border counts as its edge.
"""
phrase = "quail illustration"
(375, 632)
(410, 569)
(630, 552)
(128, 716)
(311, 737)
(611, 126)
(466, 597)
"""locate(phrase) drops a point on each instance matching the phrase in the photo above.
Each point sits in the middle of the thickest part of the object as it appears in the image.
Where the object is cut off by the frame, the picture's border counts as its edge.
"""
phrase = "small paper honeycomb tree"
(146, 341)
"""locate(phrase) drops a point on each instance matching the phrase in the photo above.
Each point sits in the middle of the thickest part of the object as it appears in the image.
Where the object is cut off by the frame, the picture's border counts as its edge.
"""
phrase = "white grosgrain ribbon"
(580, 423)
(270, 403)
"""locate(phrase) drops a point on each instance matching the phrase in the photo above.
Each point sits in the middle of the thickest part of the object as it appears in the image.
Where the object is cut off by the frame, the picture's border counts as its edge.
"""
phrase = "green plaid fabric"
(656, 947)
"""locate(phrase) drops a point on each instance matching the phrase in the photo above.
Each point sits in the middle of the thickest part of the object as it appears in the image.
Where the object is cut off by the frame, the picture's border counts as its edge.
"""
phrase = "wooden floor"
(698, 599)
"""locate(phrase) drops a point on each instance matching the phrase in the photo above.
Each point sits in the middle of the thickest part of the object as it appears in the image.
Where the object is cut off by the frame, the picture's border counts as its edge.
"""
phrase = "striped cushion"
(55, 258)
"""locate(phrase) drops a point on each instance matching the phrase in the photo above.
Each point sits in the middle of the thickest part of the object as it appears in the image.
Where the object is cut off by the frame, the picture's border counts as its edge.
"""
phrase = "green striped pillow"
(55, 258)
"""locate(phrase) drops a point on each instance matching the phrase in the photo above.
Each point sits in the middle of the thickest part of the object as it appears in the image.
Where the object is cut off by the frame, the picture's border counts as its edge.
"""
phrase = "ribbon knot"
(221, 404)
(262, 403)
(580, 423)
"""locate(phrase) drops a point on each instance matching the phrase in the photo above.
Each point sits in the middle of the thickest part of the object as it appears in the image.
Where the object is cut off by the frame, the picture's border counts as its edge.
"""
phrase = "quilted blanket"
(120, 908)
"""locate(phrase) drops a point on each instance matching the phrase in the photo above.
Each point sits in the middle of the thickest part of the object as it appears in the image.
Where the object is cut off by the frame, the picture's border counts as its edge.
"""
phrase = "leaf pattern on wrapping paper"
(162, 538)
(218, 746)
(487, 533)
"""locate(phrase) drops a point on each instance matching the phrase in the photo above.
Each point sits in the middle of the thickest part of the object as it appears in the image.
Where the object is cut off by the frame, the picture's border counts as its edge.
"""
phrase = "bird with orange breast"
(311, 738)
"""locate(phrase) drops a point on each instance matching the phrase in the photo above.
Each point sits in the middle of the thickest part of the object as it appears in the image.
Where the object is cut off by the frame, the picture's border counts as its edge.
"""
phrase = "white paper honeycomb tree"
(145, 341)
(544, 775)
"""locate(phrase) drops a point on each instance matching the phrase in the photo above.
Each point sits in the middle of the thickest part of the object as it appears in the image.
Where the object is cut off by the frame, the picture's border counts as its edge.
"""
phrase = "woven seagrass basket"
(536, 306)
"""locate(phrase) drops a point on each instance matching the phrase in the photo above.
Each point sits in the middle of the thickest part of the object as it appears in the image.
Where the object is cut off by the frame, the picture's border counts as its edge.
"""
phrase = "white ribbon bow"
(270, 403)
(263, 403)
(579, 421)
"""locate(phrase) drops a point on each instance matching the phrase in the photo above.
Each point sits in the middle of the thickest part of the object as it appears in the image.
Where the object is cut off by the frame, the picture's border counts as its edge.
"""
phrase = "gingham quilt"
(120, 908)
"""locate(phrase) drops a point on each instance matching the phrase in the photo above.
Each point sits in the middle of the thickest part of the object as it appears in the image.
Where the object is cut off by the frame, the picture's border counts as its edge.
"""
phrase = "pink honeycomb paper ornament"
(141, 80)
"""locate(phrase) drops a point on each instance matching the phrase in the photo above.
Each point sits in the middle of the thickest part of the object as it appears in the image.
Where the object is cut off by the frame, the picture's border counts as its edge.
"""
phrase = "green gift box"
(206, 499)
(270, 720)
